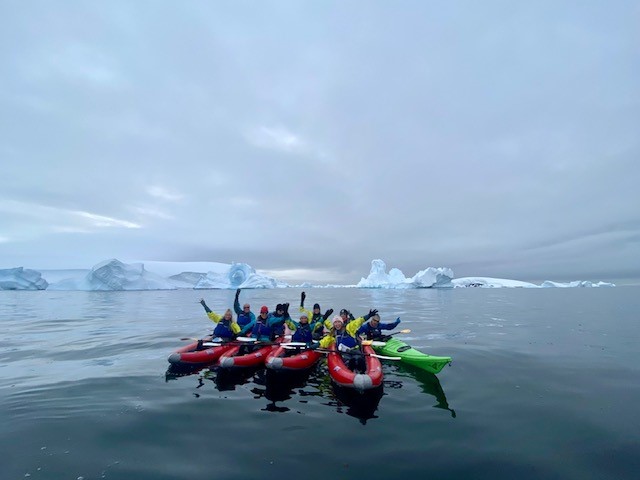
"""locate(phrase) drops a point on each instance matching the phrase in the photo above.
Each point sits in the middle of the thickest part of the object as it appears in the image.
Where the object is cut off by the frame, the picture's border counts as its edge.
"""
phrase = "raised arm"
(236, 303)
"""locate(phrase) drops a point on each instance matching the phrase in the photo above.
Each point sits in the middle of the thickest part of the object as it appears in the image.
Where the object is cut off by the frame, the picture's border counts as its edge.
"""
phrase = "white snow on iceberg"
(115, 275)
(577, 283)
(430, 277)
(21, 279)
(238, 275)
(489, 282)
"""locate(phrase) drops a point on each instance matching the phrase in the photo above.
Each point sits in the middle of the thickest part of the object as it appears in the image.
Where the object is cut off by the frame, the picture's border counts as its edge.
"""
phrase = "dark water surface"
(545, 383)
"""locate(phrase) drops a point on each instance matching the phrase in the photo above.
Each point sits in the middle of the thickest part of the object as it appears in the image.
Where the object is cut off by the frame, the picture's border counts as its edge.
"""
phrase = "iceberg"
(115, 275)
(489, 282)
(577, 283)
(430, 277)
(20, 278)
(155, 275)
(238, 275)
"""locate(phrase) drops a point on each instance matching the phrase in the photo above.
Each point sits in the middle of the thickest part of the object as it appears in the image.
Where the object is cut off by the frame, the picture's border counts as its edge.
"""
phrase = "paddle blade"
(245, 339)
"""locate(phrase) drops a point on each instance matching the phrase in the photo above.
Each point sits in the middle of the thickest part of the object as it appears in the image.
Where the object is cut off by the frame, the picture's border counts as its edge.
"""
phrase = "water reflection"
(360, 405)
(280, 388)
(428, 382)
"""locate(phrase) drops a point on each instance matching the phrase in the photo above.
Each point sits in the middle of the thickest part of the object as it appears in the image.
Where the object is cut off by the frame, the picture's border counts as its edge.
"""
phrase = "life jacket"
(302, 334)
(277, 330)
(343, 338)
(243, 319)
(261, 331)
(223, 329)
(370, 332)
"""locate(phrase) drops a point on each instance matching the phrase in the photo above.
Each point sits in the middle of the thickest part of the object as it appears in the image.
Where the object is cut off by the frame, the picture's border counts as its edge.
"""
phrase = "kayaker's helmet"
(264, 309)
(375, 318)
(344, 312)
(338, 322)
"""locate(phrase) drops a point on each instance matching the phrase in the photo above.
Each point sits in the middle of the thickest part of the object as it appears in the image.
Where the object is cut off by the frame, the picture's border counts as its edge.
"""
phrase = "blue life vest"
(345, 339)
(302, 334)
(223, 329)
(261, 331)
(369, 331)
(244, 319)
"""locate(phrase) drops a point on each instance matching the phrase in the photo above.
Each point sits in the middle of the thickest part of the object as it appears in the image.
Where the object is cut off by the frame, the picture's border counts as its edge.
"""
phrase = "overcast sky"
(496, 138)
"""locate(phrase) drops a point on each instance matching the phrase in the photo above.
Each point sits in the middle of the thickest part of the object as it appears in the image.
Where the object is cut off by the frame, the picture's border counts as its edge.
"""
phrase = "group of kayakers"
(312, 327)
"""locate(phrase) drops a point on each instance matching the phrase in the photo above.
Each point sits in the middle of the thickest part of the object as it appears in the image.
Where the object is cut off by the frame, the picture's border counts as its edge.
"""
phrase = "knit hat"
(337, 318)
(316, 305)
(264, 309)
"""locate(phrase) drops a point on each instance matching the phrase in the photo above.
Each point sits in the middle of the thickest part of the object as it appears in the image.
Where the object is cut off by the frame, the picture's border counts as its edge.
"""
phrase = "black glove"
(302, 297)
(285, 306)
(314, 345)
(327, 314)
(351, 317)
(237, 293)
(370, 314)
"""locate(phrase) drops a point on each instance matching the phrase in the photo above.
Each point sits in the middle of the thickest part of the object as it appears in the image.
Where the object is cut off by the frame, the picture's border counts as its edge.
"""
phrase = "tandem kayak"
(284, 358)
(190, 357)
(344, 377)
(410, 355)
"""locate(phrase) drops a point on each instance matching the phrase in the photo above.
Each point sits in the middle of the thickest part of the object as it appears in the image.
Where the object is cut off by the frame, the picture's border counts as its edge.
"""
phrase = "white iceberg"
(20, 278)
(577, 283)
(238, 275)
(115, 275)
(430, 277)
(489, 282)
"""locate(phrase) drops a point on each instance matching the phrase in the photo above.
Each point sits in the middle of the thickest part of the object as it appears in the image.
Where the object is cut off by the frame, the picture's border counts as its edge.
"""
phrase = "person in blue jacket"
(245, 315)
(262, 327)
(281, 313)
(372, 329)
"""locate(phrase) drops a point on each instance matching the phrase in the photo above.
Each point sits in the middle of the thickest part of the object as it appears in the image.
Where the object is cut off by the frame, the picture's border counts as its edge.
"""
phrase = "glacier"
(115, 275)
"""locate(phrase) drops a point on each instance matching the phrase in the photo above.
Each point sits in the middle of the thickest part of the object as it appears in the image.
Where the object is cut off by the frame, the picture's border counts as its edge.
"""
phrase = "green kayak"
(408, 354)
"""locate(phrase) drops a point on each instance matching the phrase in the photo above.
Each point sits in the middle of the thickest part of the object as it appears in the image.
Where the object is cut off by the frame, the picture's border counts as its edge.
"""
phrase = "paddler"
(346, 340)
(226, 328)
(245, 315)
(372, 329)
(315, 318)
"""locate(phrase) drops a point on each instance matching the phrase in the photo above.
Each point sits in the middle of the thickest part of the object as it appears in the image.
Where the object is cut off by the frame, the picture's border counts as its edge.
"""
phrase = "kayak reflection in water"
(428, 382)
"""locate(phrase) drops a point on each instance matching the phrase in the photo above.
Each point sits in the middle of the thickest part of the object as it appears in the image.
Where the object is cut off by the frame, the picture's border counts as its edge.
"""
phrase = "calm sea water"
(545, 383)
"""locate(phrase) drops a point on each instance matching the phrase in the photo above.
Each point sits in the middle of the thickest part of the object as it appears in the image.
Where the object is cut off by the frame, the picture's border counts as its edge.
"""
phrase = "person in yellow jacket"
(317, 320)
(226, 327)
(346, 340)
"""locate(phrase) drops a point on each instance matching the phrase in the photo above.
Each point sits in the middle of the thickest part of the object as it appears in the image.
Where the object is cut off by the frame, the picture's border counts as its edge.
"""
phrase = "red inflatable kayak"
(189, 356)
(282, 358)
(344, 377)
(256, 358)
